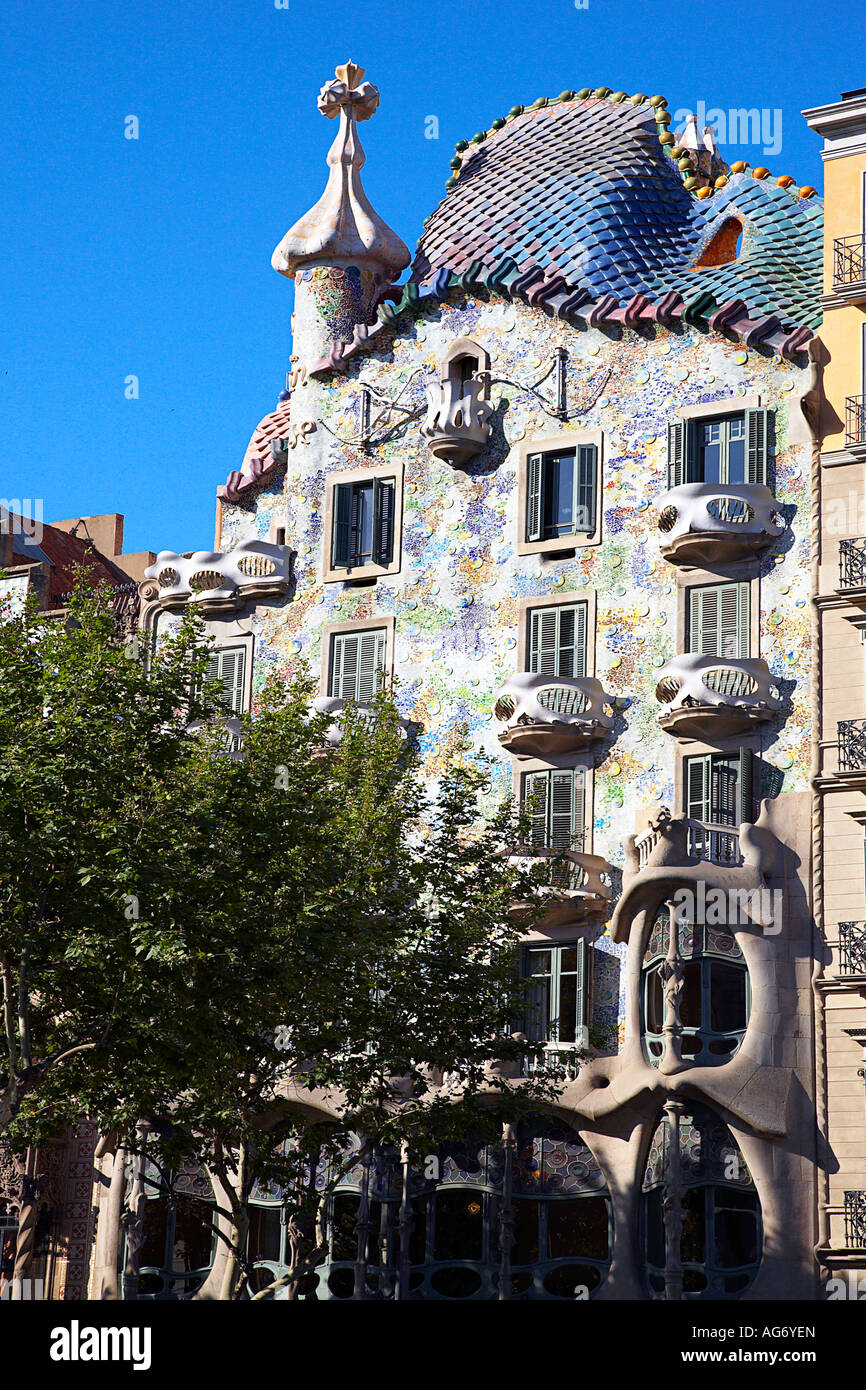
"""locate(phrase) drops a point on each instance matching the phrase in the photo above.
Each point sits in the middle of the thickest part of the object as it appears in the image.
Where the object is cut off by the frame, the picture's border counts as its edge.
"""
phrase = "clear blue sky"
(152, 257)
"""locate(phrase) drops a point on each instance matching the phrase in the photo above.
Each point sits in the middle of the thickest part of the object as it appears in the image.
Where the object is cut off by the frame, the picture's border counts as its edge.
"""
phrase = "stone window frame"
(749, 573)
(563, 763)
(467, 347)
(227, 642)
(356, 625)
(383, 471)
(563, 600)
(558, 443)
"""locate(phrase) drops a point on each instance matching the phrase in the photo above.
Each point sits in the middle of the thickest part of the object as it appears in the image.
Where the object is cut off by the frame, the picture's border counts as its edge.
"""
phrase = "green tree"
(348, 946)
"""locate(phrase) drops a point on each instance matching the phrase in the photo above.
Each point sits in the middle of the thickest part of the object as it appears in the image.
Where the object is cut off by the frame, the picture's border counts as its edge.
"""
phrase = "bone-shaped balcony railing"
(546, 714)
(456, 426)
(253, 568)
(706, 693)
(333, 706)
(711, 520)
(579, 884)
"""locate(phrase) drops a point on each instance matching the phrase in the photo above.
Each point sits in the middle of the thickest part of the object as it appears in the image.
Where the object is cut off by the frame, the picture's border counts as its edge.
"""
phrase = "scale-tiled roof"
(579, 206)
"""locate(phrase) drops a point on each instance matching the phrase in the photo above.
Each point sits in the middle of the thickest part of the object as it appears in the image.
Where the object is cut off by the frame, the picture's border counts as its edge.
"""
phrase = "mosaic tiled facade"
(587, 288)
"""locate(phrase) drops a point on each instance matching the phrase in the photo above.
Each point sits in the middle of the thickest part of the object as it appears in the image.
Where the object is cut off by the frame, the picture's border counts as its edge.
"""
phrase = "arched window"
(707, 1177)
(713, 1000)
(463, 361)
(178, 1248)
(558, 1217)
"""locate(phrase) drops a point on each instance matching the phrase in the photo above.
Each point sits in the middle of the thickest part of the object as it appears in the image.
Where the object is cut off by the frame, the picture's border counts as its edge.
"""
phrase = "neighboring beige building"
(839, 513)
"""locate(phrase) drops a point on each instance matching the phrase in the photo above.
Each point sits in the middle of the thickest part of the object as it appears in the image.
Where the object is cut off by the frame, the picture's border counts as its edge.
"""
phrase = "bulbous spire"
(342, 227)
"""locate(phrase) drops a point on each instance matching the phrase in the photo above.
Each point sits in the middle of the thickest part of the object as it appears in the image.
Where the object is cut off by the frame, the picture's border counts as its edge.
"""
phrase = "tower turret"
(340, 254)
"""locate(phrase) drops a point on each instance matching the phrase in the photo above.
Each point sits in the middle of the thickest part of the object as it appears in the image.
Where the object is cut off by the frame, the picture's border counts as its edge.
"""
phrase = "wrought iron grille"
(852, 563)
(849, 259)
(852, 744)
(855, 1220)
(852, 948)
(855, 420)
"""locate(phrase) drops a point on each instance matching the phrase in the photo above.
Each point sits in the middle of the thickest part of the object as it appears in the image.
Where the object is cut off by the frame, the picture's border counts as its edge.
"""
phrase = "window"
(229, 665)
(555, 801)
(357, 664)
(557, 640)
(555, 977)
(718, 793)
(720, 1241)
(363, 532)
(561, 493)
(713, 1001)
(718, 620)
(727, 449)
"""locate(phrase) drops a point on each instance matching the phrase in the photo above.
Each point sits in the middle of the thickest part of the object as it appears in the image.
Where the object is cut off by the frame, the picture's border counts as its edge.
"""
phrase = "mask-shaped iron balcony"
(711, 697)
(580, 884)
(545, 715)
(708, 523)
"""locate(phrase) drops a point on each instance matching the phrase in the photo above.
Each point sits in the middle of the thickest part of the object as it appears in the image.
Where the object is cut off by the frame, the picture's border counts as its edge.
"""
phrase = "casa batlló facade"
(565, 485)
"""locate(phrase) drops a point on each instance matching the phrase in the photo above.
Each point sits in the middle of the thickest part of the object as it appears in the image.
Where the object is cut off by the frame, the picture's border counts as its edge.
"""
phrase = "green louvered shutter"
(580, 990)
(585, 472)
(757, 430)
(544, 641)
(535, 791)
(357, 659)
(725, 791)
(344, 665)
(676, 453)
(719, 620)
(533, 497)
(229, 666)
(747, 806)
(578, 830)
(383, 521)
(557, 642)
(698, 788)
(371, 659)
(341, 552)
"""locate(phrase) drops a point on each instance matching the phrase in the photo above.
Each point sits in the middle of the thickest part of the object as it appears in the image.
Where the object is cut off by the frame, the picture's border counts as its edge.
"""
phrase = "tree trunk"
(108, 1231)
(231, 1281)
(28, 1216)
(212, 1286)
(133, 1219)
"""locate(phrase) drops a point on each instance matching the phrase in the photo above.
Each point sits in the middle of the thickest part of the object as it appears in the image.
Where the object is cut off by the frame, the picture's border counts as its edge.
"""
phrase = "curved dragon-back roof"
(587, 205)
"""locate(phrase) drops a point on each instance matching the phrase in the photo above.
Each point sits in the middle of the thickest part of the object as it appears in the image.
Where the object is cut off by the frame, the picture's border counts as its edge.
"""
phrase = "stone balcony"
(579, 885)
(713, 523)
(219, 579)
(456, 426)
(333, 706)
(546, 715)
(712, 697)
(675, 852)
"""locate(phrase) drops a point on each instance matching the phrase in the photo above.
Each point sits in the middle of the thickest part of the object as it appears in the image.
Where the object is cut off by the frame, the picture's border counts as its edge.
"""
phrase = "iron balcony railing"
(849, 260)
(855, 1220)
(557, 1057)
(855, 420)
(852, 948)
(852, 745)
(852, 563)
(719, 844)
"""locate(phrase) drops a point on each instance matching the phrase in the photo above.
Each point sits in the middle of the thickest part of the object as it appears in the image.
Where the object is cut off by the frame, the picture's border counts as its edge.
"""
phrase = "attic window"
(724, 246)
(464, 360)
(463, 369)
